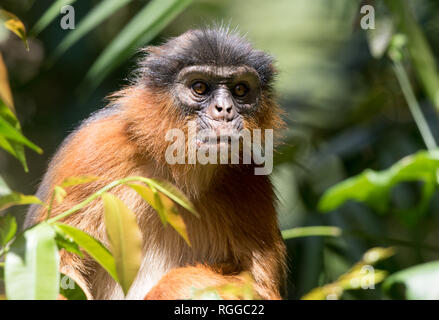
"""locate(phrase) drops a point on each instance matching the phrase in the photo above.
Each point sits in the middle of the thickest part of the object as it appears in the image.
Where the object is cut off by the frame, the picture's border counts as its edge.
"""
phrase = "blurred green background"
(345, 112)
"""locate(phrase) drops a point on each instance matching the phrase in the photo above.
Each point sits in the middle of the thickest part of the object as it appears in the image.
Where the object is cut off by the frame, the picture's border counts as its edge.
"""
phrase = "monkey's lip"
(219, 138)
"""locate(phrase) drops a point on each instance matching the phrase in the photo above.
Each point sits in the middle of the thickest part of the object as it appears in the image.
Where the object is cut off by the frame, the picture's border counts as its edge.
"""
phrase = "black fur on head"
(216, 46)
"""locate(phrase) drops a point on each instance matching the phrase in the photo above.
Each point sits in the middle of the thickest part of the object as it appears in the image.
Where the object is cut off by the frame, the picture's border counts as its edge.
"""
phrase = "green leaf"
(172, 192)
(164, 206)
(374, 187)
(420, 52)
(15, 198)
(420, 282)
(67, 243)
(125, 239)
(151, 196)
(74, 181)
(361, 276)
(12, 133)
(70, 289)
(98, 14)
(11, 22)
(320, 231)
(7, 112)
(32, 265)
(8, 228)
(50, 14)
(144, 27)
(92, 246)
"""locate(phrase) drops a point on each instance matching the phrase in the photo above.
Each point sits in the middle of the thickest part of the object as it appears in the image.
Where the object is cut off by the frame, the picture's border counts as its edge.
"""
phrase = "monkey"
(215, 78)
(179, 284)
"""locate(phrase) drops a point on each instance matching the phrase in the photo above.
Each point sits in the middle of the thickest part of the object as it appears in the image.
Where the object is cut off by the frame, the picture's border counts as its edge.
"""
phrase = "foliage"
(347, 114)
(418, 282)
(361, 276)
(374, 187)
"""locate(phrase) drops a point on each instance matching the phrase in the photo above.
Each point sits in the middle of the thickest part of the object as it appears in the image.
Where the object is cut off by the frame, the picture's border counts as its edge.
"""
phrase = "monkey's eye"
(240, 90)
(199, 87)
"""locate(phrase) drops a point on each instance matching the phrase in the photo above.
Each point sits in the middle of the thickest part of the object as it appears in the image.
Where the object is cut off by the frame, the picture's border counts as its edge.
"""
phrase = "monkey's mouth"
(218, 137)
(217, 140)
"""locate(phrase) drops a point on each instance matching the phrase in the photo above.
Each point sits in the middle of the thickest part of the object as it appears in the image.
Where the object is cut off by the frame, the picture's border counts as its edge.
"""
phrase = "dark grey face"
(218, 95)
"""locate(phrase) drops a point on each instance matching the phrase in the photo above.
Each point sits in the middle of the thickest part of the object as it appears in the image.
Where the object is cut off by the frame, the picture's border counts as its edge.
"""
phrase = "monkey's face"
(219, 98)
(212, 79)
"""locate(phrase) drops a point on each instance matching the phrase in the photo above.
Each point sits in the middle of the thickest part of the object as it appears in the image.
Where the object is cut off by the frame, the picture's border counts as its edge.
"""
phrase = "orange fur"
(238, 223)
(180, 284)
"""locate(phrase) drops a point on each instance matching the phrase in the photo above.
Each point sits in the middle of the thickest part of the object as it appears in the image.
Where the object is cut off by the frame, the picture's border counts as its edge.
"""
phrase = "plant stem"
(311, 231)
(150, 182)
(94, 196)
(413, 104)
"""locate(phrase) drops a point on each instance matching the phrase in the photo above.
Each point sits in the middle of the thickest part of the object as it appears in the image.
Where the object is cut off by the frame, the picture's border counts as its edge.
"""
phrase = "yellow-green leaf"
(74, 181)
(125, 239)
(173, 193)
(92, 246)
(151, 196)
(164, 206)
(14, 24)
(15, 198)
(8, 227)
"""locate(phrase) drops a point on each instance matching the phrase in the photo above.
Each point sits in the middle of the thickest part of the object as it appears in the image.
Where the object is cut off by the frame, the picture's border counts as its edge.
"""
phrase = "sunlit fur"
(182, 283)
(238, 223)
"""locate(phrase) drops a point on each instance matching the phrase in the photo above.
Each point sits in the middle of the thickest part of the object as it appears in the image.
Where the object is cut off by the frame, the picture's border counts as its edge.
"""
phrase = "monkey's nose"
(222, 112)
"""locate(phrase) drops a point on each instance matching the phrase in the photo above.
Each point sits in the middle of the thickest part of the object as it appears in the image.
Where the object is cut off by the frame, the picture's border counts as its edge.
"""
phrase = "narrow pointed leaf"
(97, 15)
(12, 133)
(74, 181)
(169, 190)
(164, 206)
(11, 22)
(92, 246)
(7, 112)
(15, 199)
(146, 25)
(67, 243)
(152, 197)
(125, 239)
(8, 228)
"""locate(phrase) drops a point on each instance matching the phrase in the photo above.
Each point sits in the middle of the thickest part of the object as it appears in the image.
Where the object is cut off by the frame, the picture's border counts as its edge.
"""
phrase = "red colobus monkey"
(216, 79)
